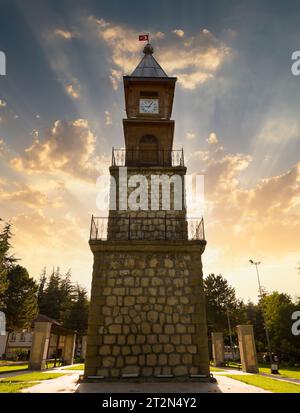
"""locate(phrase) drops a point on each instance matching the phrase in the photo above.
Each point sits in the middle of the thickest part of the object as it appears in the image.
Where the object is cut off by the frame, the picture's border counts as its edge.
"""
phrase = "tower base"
(147, 318)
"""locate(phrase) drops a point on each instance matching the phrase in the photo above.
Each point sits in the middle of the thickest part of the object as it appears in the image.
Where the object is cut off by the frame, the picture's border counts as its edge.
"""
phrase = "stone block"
(180, 371)
(151, 359)
(115, 329)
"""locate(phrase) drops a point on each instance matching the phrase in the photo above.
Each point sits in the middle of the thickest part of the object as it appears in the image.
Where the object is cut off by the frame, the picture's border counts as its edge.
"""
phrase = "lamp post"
(256, 263)
(230, 333)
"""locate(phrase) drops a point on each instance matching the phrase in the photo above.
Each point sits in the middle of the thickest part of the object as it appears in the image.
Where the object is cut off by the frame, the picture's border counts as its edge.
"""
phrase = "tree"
(42, 284)
(49, 297)
(278, 308)
(55, 296)
(67, 293)
(220, 298)
(6, 260)
(78, 316)
(254, 316)
(20, 299)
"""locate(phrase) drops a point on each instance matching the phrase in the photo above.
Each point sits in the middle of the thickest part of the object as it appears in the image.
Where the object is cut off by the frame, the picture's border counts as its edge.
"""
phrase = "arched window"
(148, 150)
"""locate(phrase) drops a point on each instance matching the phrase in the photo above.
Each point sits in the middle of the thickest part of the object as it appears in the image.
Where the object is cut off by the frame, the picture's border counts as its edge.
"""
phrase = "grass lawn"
(8, 369)
(211, 368)
(23, 381)
(291, 372)
(233, 365)
(31, 377)
(267, 383)
(14, 387)
(75, 367)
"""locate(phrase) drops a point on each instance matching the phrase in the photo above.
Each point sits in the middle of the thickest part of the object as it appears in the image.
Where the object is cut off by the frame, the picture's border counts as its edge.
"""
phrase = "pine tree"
(56, 295)
(67, 295)
(20, 299)
(78, 316)
(49, 299)
(6, 260)
(42, 284)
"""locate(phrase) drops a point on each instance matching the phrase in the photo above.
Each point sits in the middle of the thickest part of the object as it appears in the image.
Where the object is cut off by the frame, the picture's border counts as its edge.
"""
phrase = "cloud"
(194, 59)
(190, 135)
(37, 227)
(221, 175)
(178, 32)
(108, 119)
(157, 35)
(22, 194)
(262, 220)
(115, 78)
(73, 90)
(4, 150)
(69, 147)
(212, 138)
(65, 34)
(277, 195)
(278, 130)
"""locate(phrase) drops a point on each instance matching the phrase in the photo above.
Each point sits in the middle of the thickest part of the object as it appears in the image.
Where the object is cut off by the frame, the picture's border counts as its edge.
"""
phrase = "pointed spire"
(148, 66)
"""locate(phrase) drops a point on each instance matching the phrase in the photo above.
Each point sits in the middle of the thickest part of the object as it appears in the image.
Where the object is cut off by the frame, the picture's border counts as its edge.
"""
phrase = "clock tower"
(148, 129)
(147, 314)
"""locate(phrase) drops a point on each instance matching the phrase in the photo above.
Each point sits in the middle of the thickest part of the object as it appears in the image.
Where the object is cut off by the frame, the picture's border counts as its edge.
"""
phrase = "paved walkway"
(69, 384)
(224, 385)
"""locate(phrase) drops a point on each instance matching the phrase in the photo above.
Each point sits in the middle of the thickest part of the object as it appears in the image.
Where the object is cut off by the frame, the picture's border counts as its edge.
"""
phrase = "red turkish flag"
(144, 38)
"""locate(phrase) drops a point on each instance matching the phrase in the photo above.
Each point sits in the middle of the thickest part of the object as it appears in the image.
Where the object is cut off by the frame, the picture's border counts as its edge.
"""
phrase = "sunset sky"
(236, 110)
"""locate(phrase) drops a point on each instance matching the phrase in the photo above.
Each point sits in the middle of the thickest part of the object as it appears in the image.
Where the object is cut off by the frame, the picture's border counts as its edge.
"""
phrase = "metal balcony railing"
(159, 228)
(147, 157)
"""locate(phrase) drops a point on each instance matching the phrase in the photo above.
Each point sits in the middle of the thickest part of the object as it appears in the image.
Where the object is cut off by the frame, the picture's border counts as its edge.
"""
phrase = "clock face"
(149, 106)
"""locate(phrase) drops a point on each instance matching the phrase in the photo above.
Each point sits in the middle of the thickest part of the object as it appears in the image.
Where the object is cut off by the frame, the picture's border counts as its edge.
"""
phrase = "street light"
(230, 334)
(256, 263)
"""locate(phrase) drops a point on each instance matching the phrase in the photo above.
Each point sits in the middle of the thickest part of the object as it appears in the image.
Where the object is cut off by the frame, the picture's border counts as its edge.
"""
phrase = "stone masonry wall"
(147, 314)
(149, 224)
(146, 225)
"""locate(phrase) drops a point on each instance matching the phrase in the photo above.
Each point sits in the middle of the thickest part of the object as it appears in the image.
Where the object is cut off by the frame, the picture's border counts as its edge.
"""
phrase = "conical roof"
(148, 66)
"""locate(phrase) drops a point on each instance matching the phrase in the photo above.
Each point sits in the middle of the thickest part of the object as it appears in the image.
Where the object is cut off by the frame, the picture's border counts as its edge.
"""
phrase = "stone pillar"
(218, 349)
(247, 348)
(69, 348)
(40, 345)
(3, 340)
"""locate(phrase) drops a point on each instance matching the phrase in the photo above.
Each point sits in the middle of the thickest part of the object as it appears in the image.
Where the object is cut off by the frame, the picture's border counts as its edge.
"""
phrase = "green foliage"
(78, 316)
(6, 260)
(220, 298)
(58, 298)
(291, 372)
(75, 367)
(11, 368)
(266, 383)
(20, 300)
(278, 308)
(254, 316)
(7, 387)
(36, 376)
(55, 295)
